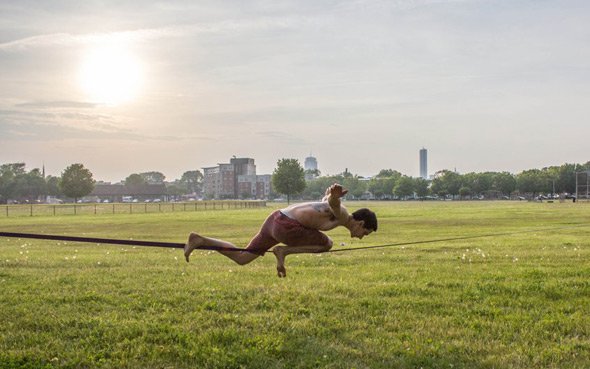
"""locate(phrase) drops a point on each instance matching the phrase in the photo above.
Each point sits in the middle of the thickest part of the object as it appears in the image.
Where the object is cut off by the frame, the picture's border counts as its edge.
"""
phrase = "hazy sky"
(133, 86)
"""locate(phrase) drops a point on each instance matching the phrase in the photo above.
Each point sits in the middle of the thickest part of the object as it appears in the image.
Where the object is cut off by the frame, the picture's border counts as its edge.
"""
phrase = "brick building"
(236, 180)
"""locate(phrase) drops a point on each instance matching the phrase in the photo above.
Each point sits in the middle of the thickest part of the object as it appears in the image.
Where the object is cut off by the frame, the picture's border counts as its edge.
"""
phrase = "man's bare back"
(316, 215)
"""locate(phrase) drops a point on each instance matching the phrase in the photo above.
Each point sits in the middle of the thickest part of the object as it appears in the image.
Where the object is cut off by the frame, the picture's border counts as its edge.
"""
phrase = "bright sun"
(110, 75)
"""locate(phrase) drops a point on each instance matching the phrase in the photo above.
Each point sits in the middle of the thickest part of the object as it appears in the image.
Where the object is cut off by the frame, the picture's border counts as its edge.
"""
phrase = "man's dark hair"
(368, 217)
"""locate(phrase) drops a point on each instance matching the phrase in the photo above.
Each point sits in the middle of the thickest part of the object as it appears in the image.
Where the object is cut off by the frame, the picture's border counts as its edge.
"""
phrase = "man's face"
(359, 231)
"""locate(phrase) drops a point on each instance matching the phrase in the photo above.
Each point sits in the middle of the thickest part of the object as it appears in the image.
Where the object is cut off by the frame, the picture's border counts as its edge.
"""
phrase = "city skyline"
(302, 162)
(125, 87)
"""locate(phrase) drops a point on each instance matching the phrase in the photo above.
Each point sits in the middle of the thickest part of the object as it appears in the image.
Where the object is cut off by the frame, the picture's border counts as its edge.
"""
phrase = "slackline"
(216, 248)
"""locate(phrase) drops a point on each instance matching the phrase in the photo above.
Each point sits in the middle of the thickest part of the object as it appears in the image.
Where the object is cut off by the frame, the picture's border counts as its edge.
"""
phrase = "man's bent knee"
(327, 246)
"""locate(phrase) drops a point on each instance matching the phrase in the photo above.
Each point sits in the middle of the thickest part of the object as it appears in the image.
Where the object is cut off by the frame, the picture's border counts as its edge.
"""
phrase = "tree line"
(16, 183)
(391, 184)
(76, 181)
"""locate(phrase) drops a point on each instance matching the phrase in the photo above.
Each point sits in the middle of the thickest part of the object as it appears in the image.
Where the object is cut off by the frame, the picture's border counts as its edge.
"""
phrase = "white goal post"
(583, 185)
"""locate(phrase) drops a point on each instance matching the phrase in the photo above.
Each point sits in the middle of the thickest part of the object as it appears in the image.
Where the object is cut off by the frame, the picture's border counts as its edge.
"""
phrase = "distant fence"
(124, 208)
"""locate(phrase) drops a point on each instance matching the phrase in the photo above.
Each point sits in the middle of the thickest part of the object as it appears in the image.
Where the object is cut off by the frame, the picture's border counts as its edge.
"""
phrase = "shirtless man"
(298, 227)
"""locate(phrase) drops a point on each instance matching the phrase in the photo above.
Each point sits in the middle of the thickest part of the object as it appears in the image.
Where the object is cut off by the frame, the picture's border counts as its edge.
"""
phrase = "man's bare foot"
(281, 271)
(194, 241)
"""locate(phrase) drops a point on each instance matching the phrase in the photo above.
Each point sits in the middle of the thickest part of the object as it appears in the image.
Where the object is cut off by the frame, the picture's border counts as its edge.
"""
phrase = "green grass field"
(512, 301)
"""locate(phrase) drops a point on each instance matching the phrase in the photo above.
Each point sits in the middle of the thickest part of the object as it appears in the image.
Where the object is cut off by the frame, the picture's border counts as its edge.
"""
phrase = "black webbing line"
(114, 241)
(216, 248)
(461, 238)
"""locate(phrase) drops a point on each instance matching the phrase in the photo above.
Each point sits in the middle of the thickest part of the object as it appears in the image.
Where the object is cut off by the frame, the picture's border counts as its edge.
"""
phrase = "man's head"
(366, 223)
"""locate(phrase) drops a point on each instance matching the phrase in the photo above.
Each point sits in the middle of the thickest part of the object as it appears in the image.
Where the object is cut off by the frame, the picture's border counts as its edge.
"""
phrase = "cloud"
(144, 35)
(57, 104)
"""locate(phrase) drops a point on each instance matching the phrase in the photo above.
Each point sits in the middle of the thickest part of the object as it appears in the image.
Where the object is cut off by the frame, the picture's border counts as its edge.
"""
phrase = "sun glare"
(110, 75)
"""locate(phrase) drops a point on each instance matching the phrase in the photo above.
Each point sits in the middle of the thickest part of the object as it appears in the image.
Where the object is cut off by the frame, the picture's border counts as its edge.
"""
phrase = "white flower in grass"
(98, 262)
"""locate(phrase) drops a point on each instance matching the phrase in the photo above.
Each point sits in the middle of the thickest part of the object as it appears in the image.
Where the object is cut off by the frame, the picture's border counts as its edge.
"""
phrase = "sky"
(135, 86)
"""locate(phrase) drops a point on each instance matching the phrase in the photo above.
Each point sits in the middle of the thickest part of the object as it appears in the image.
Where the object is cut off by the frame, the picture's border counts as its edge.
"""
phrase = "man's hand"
(337, 191)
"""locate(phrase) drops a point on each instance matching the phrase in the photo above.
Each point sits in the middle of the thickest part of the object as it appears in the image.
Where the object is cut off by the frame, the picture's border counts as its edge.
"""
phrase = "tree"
(153, 177)
(421, 187)
(288, 178)
(381, 186)
(12, 177)
(505, 183)
(530, 181)
(464, 191)
(356, 188)
(174, 191)
(135, 180)
(30, 185)
(478, 183)
(192, 180)
(7, 181)
(404, 187)
(76, 181)
(389, 173)
(52, 186)
(566, 178)
(312, 173)
(446, 182)
(316, 188)
(14, 168)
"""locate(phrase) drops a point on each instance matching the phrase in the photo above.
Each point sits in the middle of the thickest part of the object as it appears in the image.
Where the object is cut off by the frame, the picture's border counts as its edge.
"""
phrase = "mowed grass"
(510, 301)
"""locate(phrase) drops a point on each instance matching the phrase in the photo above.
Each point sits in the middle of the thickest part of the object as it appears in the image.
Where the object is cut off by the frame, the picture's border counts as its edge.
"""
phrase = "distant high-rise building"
(311, 164)
(424, 163)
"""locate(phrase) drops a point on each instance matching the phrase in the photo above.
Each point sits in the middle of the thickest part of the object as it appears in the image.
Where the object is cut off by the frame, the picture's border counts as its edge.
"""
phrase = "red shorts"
(279, 228)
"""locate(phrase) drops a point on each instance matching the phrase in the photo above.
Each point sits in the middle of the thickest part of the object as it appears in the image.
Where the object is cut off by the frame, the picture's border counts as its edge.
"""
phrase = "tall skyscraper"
(311, 164)
(424, 163)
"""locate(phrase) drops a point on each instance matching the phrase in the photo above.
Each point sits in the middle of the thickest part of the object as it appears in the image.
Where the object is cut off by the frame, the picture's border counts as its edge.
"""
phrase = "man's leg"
(195, 240)
(281, 253)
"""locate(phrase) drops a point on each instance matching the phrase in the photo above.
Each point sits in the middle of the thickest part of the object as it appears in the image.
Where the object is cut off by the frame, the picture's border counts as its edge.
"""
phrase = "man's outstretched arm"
(333, 195)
